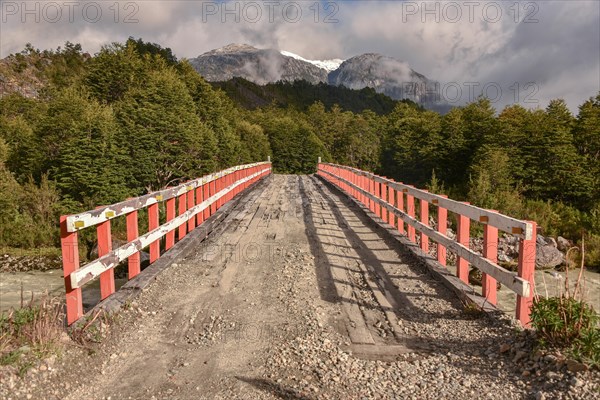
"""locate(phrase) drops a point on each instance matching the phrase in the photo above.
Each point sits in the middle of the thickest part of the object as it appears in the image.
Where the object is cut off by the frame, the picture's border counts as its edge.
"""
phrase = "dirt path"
(300, 295)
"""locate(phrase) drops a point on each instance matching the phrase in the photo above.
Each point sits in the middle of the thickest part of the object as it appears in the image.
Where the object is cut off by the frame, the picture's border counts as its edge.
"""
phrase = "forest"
(133, 119)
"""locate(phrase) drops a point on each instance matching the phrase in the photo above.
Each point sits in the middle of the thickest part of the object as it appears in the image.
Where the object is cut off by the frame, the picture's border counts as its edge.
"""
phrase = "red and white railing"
(196, 201)
(394, 203)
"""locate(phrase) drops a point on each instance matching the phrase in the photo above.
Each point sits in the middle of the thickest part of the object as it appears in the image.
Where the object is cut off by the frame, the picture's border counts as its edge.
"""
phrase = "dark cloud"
(560, 52)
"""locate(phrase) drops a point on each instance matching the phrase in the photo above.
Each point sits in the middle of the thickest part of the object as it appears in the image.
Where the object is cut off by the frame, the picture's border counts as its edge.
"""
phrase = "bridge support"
(526, 271)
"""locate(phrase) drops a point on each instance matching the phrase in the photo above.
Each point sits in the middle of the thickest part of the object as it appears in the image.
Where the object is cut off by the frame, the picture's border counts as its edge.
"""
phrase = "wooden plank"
(113, 258)
(518, 285)
(503, 222)
(182, 249)
(86, 219)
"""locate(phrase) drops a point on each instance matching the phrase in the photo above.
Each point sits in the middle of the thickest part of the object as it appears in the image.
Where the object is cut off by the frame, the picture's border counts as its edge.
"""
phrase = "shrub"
(32, 331)
(568, 322)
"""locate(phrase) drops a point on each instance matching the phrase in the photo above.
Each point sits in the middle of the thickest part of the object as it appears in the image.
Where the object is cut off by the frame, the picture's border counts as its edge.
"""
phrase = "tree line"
(133, 119)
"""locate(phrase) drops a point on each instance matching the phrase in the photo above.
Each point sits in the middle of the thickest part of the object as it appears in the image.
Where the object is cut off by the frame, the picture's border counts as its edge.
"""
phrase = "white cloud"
(560, 52)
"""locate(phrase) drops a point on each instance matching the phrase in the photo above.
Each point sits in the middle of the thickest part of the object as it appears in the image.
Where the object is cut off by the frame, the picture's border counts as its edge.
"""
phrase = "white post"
(319, 161)
(268, 158)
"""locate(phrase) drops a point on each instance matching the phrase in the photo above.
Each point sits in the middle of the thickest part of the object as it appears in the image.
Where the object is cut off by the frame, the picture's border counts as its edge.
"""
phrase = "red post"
(384, 197)
(371, 189)
(443, 229)
(213, 191)
(490, 251)
(199, 199)
(400, 206)
(526, 271)
(392, 201)
(424, 212)
(219, 186)
(170, 237)
(152, 225)
(107, 278)
(190, 202)
(182, 209)
(377, 195)
(206, 190)
(410, 210)
(70, 255)
(132, 233)
(462, 266)
(362, 180)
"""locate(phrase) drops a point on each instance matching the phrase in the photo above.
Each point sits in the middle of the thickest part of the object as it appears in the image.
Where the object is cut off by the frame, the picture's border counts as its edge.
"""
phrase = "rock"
(576, 382)
(505, 347)
(520, 354)
(540, 396)
(548, 256)
(563, 244)
(576, 366)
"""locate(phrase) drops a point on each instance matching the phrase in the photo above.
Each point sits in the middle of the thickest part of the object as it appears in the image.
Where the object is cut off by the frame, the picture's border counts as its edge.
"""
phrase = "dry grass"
(31, 331)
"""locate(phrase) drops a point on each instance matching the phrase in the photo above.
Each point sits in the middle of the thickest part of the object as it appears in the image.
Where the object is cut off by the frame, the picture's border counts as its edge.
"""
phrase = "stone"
(519, 356)
(576, 366)
(576, 382)
(547, 256)
(540, 396)
(505, 347)
(562, 243)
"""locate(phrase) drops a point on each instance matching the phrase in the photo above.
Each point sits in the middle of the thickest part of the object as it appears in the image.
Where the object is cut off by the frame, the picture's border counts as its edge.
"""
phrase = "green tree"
(164, 136)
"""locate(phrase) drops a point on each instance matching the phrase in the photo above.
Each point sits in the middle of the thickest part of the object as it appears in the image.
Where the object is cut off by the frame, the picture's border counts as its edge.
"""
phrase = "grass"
(567, 322)
(32, 252)
(30, 332)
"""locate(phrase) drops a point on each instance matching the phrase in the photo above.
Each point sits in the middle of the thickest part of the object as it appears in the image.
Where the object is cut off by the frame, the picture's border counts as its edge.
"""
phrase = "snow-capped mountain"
(384, 74)
(257, 65)
(327, 65)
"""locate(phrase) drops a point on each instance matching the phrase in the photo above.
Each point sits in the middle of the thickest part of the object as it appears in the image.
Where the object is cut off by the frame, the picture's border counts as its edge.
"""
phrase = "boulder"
(563, 244)
(547, 254)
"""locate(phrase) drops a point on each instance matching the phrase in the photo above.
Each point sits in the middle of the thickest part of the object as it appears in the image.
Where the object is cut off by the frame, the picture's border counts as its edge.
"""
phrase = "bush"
(566, 322)
(30, 332)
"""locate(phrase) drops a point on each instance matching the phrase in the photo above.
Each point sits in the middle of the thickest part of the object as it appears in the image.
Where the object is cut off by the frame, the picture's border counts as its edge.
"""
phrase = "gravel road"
(298, 295)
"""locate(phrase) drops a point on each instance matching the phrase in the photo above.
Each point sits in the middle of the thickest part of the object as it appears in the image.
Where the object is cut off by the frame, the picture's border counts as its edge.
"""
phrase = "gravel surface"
(298, 295)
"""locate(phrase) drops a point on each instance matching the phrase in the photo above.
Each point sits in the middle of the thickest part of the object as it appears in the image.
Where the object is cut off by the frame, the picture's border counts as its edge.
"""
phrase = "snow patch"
(328, 65)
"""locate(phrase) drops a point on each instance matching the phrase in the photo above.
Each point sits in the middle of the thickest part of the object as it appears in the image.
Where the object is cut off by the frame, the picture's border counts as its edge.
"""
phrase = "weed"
(30, 332)
(567, 321)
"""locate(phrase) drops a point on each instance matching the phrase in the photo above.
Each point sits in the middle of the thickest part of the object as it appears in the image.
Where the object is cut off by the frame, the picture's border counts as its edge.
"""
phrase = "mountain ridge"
(385, 74)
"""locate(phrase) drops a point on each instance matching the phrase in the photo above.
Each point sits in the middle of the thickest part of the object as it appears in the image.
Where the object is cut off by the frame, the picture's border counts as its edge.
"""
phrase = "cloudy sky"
(515, 51)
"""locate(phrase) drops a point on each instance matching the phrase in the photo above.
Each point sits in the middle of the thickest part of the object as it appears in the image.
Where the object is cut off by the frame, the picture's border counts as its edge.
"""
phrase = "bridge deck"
(300, 295)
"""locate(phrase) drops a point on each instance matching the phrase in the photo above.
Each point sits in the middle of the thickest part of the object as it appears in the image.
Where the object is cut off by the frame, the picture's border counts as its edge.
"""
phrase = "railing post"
(170, 237)
(443, 229)
(410, 210)
(526, 270)
(107, 278)
(153, 222)
(206, 191)
(377, 195)
(462, 266)
(182, 209)
(424, 213)
(133, 262)
(213, 191)
(190, 204)
(384, 197)
(400, 206)
(70, 256)
(199, 199)
(363, 185)
(490, 251)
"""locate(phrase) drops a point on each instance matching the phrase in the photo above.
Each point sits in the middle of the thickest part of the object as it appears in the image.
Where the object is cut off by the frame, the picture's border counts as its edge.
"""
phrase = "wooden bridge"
(243, 262)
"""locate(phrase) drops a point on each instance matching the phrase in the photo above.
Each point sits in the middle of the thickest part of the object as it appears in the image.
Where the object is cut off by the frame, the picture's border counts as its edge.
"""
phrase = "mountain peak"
(385, 74)
(233, 48)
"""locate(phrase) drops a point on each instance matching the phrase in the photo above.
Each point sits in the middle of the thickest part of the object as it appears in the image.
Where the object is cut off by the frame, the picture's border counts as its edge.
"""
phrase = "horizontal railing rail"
(394, 203)
(197, 200)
